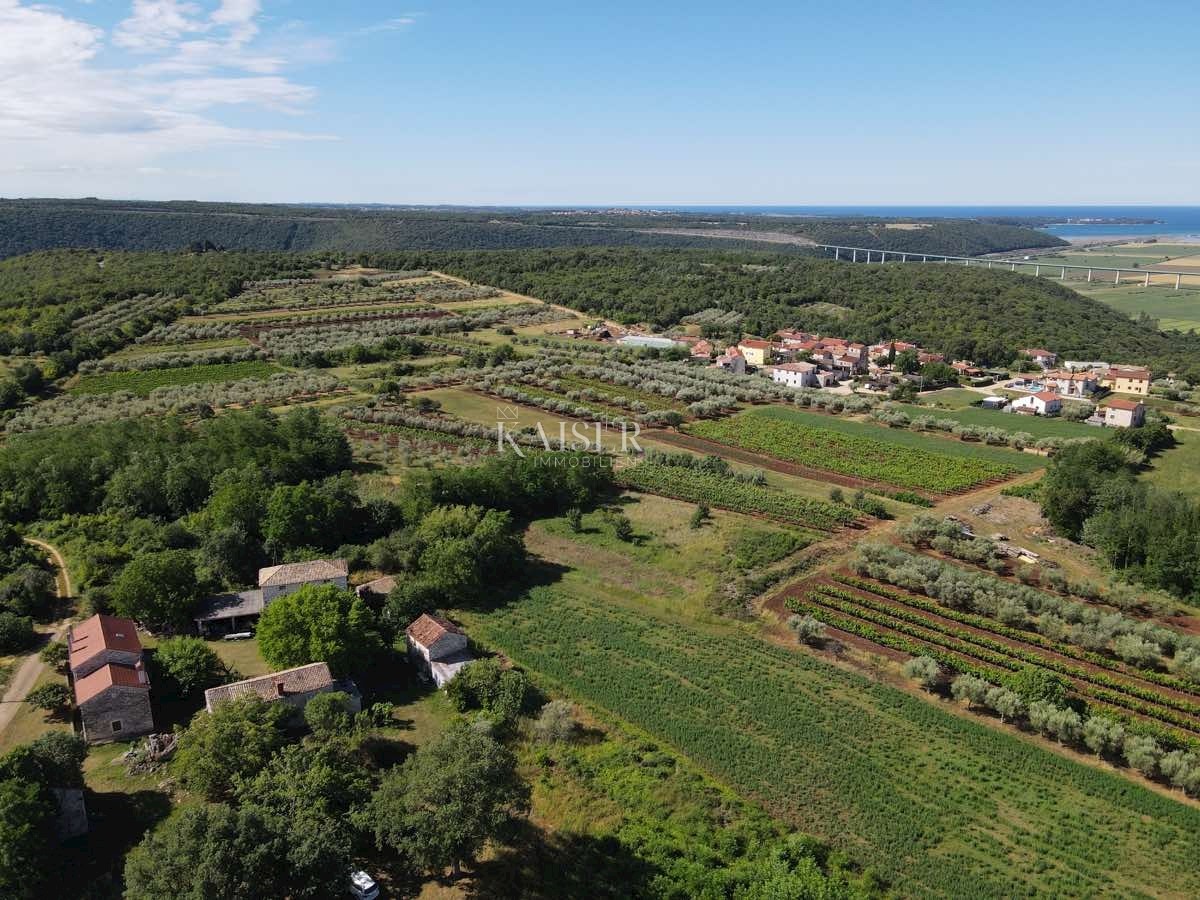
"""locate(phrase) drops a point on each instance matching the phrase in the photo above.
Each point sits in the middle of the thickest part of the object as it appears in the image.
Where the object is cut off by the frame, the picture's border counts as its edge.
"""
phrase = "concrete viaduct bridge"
(863, 254)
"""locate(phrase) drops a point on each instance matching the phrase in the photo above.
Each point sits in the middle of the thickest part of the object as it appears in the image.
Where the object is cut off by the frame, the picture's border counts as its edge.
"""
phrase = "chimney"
(279, 689)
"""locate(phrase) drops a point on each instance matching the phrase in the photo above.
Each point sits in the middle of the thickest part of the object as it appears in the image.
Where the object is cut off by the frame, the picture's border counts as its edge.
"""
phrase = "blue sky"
(560, 103)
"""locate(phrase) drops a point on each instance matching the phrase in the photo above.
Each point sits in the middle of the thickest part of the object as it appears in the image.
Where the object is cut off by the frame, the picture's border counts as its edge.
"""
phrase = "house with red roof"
(1043, 403)
(1044, 358)
(437, 647)
(731, 360)
(112, 690)
(1121, 413)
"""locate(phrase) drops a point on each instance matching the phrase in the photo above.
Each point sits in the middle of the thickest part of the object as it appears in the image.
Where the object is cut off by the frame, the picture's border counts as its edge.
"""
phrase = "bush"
(329, 714)
(16, 632)
(50, 697)
(809, 629)
(556, 723)
(924, 670)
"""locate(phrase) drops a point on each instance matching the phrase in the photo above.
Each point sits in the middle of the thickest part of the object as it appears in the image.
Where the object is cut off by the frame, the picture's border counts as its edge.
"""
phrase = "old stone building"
(112, 690)
(295, 687)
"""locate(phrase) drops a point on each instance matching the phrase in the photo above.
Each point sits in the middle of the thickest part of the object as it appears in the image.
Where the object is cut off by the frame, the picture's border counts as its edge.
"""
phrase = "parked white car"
(363, 886)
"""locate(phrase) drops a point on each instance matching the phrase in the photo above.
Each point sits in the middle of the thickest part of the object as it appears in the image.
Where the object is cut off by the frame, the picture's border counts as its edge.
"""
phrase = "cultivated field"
(872, 769)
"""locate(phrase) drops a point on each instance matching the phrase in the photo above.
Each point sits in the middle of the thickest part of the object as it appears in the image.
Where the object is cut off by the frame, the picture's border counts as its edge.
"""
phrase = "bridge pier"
(1014, 267)
(903, 257)
(1063, 276)
(1089, 274)
(924, 259)
(837, 252)
(1147, 279)
(856, 258)
(1117, 279)
(1037, 271)
(1177, 282)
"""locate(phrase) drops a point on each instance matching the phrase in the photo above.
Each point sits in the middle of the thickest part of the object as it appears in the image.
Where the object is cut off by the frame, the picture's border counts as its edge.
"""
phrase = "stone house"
(112, 690)
(437, 647)
(230, 612)
(275, 581)
(295, 687)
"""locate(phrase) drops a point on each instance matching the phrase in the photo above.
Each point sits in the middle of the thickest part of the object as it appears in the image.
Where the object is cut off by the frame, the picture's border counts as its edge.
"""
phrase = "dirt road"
(31, 667)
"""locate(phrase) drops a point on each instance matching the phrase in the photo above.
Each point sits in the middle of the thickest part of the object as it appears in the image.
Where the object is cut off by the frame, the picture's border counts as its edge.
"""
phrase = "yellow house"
(757, 353)
(1127, 380)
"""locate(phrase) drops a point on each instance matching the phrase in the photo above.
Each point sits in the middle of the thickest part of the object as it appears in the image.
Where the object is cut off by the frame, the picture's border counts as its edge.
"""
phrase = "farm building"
(1120, 413)
(112, 690)
(1043, 403)
(648, 340)
(437, 647)
(295, 687)
(236, 611)
(994, 402)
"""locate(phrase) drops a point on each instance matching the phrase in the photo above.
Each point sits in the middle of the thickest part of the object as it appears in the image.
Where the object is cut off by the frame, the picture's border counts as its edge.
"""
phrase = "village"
(1037, 383)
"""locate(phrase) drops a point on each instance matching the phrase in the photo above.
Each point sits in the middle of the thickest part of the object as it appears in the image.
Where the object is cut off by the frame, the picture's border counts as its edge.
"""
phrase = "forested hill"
(955, 237)
(973, 313)
(31, 225)
(27, 226)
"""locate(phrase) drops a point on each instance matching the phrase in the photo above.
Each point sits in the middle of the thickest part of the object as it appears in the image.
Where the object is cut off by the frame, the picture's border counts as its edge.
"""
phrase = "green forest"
(30, 225)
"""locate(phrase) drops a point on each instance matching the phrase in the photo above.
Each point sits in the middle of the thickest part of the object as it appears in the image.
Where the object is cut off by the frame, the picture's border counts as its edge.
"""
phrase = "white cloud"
(397, 24)
(61, 109)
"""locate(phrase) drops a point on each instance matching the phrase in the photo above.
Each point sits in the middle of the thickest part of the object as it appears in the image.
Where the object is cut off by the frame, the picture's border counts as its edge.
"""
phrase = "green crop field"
(939, 804)
(142, 383)
(1038, 426)
(1178, 469)
(896, 456)
(1173, 309)
(738, 496)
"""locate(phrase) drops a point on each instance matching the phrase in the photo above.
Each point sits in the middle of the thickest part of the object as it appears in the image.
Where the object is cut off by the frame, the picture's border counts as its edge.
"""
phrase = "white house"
(1072, 384)
(437, 647)
(796, 374)
(1121, 413)
(275, 581)
(1043, 403)
(1044, 358)
(994, 402)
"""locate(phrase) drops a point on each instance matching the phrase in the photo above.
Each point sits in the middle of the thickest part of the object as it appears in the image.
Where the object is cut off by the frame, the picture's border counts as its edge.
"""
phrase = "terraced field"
(923, 796)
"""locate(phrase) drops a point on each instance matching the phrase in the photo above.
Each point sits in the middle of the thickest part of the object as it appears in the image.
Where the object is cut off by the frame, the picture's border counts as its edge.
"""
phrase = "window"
(116, 726)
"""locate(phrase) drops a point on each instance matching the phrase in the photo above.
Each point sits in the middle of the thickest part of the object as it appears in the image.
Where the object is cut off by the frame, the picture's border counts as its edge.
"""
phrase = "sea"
(1180, 222)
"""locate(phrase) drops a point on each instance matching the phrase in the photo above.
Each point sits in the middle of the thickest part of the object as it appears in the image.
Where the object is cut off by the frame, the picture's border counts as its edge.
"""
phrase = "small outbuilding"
(437, 647)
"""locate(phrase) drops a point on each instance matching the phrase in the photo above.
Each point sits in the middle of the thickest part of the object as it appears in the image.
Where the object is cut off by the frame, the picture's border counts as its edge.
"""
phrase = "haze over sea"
(1169, 221)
